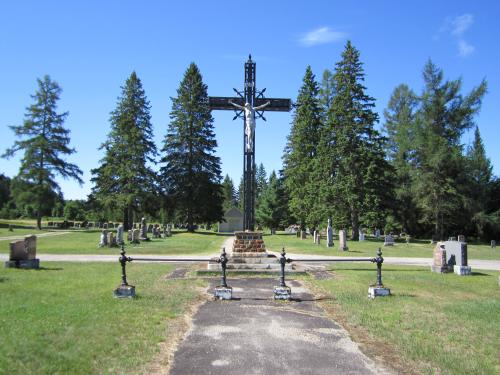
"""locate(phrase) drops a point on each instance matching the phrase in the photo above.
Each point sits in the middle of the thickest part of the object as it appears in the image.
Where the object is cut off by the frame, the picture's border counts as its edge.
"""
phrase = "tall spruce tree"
(44, 142)
(399, 129)
(480, 172)
(272, 209)
(355, 186)
(125, 180)
(229, 193)
(326, 92)
(443, 117)
(301, 151)
(191, 172)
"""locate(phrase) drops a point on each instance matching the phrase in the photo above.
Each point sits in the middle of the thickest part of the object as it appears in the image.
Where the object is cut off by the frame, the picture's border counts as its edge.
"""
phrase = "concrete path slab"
(253, 334)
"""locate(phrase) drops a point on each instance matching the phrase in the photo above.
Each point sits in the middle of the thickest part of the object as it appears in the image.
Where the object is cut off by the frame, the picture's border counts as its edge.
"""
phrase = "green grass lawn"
(444, 324)
(420, 249)
(63, 319)
(85, 242)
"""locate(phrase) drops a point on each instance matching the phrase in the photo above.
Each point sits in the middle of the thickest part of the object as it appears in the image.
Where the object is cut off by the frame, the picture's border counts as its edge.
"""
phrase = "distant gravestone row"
(135, 235)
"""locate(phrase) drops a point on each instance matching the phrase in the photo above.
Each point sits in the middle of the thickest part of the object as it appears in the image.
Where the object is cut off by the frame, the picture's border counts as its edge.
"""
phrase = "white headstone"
(104, 238)
(361, 235)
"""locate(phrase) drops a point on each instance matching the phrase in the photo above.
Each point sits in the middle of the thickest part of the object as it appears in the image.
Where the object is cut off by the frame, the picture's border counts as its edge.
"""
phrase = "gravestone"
(361, 235)
(451, 256)
(23, 254)
(315, 236)
(129, 235)
(329, 234)
(144, 230)
(461, 238)
(233, 221)
(343, 240)
(135, 236)
(303, 235)
(318, 238)
(389, 240)
(119, 235)
(493, 244)
(452, 238)
(150, 228)
(112, 240)
(104, 238)
(377, 233)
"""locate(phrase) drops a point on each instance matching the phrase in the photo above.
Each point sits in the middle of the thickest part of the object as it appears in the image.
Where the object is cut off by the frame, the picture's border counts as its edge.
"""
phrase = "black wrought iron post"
(223, 261)
(123, 261)
(379, 260)
(283, 261)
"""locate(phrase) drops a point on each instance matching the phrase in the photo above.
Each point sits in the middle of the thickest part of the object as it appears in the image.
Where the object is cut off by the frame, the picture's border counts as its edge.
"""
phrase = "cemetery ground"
(63, 318)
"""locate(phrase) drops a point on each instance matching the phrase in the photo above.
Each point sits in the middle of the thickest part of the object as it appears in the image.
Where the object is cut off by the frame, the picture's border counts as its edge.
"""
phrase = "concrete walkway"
(253, 334)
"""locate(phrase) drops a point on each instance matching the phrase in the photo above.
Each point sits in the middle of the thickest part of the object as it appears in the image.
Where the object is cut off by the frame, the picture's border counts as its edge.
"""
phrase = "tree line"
(415, 175)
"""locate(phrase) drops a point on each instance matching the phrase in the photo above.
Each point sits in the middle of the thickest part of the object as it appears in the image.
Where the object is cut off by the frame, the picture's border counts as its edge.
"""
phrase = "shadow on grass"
(3, 279)
(375, 269)
(479, 274)
(213, 234)
(50, 269)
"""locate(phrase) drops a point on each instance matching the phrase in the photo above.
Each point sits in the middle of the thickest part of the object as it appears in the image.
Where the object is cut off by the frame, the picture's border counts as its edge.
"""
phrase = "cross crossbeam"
(246, 105)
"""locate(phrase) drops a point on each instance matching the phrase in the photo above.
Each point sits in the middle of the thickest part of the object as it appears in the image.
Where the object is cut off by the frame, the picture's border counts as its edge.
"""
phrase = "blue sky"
(91, 47)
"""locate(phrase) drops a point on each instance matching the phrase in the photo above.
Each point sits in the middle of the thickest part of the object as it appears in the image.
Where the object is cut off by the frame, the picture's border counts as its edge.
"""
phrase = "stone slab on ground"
(253, 334)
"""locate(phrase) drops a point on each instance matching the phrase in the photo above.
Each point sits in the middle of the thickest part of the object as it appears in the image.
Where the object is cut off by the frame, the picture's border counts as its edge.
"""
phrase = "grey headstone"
(104, 238)
(144, 230)
(361, 235)
(343, 240)
(461, 238)
(493, 244)
(329, 234)
(389, 240)
(456, 253)
(119, 234)
(377, 233)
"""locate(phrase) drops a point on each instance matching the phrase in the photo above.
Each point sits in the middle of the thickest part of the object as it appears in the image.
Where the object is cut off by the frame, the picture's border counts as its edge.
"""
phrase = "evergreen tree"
(261, 180)
(124, 180)
(229, 193)
(480, 172)
(399, 128)
(4, 190)
(301, 151)
(241, 186)
(326, 92)
(44, 142)
(439, 180)
(355, 184)
(272, 208)
(191, 173)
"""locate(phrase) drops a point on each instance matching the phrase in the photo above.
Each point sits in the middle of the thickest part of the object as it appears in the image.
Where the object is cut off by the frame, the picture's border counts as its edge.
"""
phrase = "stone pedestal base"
(378, 291)
(124, 291)
(28, 264)
(462, 270)
(345, 248)
(223, 292)
(440, 269)
(282, 292)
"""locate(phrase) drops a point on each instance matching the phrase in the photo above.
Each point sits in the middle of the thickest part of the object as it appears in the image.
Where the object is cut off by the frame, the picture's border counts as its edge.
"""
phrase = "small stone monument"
(10, 228)
(343, 240)
(104, 238)
(144, 230)
(493, 244)
(389, 240)
(129, 235)
(23, 254)
(135, 236)
(329, 234)
(314, 236)
(303, 235)
(451, 256)
(318, 238)
(461, 238)
(377, 233)
(169, 230)
(361, 235)
(119, 235)
(112, 240)
(439, 264)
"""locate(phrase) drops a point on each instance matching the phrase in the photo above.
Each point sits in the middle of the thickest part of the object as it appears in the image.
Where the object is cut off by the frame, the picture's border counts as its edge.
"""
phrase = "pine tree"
(124, 180)
(191, 173)
(301, 151)
(443, 117)
(480, 172)
(326, 92)
(261, 180)
(399, 128)
(241, 186)
(354, 185)
(272, 208)
(229, 193)
(45, 142)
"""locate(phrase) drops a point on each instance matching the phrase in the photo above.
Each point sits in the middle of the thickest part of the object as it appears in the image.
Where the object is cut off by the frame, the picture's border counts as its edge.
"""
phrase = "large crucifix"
(249, 105)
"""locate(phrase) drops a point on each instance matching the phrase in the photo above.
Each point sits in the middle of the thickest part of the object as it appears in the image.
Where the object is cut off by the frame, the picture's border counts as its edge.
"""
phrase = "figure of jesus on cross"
(249, 120)
(248, 105)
